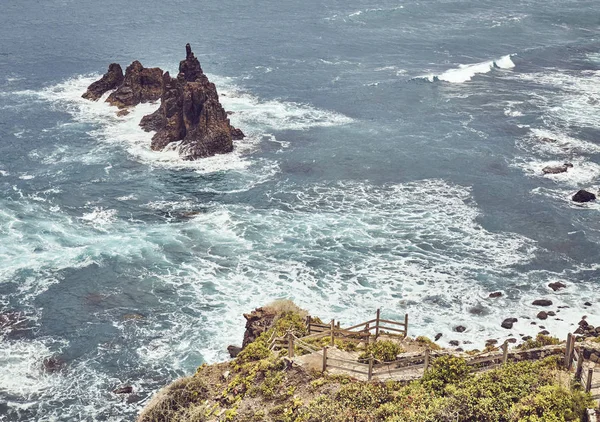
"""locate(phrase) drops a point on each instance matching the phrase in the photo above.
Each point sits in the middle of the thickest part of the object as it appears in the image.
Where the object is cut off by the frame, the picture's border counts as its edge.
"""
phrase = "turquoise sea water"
(393, 160)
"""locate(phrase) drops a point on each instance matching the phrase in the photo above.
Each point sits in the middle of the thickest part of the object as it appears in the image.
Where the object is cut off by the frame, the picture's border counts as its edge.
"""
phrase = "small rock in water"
(495, 294)
(542, 315)
(438, 336)
(542, 302)
(53, 364)
(459, 329)
(545, 332)
(551, 313)
(557, 285)
(454, 342)
(508, 323)
(583, 196)
(491, 342)
(587, 304)
(511, 340)
(126, 389)
(557, 169)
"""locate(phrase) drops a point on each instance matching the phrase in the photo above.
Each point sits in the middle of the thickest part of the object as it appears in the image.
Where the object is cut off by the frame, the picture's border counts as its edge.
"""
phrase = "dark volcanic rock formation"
(110, 80)
(140, 85)
(190, 112)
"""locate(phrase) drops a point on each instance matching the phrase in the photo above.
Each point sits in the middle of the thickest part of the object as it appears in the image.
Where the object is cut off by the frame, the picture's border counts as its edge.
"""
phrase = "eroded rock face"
(109, 81)
(257, 322)
(140, 85)
(190, 112)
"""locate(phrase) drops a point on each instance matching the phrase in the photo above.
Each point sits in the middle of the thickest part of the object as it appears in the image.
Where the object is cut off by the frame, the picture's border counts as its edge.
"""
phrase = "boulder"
(109, 81)
(495, 294)
(508, 323)
(557, 169)
(190, 112)
(557, 285)
(583, 196)
(542, 315)
(233, 350)
(139, 85)
(459, 329)
(542, 302)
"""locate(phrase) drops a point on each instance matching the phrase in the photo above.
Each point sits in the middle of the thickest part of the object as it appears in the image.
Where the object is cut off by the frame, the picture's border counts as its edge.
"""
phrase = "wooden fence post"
(367, 330)
(370, 374)
(338, 325)
(504, 353)
(588, 384)
(426, 359)
(377, 324)
(324, 358)
(571, 354)
(405, 325)
(290, 337)
(567, 349)
(308, 323)
(579, 369)
(332, 332)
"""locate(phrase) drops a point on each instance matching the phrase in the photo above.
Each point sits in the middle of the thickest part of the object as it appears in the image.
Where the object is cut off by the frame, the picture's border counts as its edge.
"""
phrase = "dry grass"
(281, 306)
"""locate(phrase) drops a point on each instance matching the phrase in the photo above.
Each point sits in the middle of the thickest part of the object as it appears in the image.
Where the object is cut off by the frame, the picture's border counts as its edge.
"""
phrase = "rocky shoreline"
(190, 115)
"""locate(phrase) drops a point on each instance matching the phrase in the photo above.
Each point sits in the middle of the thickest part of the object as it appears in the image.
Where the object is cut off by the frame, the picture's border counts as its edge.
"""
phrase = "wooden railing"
(363, 332)
(575, 355)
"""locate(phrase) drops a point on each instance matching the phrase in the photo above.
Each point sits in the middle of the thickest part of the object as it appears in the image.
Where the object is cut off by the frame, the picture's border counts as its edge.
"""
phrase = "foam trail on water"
(465, 72)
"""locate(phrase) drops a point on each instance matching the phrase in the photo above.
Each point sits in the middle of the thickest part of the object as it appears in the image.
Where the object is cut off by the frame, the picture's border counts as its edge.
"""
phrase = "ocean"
(393, 160)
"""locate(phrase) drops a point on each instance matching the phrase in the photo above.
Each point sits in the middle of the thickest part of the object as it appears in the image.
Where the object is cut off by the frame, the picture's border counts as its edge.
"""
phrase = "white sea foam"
(465, 72)
(548, 142)
(271, 115)
(100, 218)
(573, 98)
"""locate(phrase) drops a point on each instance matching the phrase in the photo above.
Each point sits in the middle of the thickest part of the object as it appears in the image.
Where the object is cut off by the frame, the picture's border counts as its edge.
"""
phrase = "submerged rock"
(109, 81)
(583, 196)
(190, 112)
(542, 302)
(127, 389)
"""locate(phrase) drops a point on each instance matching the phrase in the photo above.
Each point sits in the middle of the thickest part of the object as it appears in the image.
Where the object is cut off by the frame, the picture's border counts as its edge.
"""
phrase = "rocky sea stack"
(190, 112)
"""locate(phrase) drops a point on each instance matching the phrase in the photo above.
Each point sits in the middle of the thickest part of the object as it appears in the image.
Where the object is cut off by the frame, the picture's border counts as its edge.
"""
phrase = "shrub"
(385, 350)
(445, 370)
(254, 351)
(539, 341)
(182, 394)
(552, 403)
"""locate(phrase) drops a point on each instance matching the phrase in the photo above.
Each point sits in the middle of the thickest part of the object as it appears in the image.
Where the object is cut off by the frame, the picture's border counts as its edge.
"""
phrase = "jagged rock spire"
(189, 69)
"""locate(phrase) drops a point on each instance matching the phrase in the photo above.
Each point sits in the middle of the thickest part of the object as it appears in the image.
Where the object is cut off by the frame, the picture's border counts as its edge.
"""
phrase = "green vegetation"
(260, 385)
(540, 341)
(427, 342)
(384, 351)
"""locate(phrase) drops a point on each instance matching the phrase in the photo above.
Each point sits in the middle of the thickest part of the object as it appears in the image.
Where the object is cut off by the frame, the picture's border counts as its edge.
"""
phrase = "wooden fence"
(575, 355)
(372, 329)
(363, 332)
